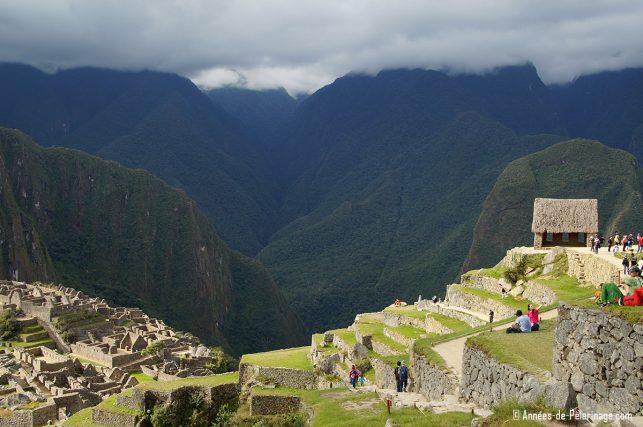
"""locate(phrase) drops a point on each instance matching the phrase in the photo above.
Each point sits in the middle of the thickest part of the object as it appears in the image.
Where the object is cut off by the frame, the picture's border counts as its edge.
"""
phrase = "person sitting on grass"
(522, 324)
(632, 288)
(534, 318)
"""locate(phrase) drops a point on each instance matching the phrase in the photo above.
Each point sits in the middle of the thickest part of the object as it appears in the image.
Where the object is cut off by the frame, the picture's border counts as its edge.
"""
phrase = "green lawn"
(82, 418)
(629, 313)
(31, 344)
(209, 381)
(341, 407)
(296, 358)
(566, 288)
(30, 329)
(531, 352)
(141, 377)
(347, 336)
(409, 311)
(408, 331)
(508, 300)
(369, 326)
(110, 405)
(454, 324)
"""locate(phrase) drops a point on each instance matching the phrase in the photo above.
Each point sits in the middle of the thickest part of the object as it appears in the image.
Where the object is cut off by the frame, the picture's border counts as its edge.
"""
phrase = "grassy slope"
(572, 169)
(84, 216)
(289, 358)
(532, 352)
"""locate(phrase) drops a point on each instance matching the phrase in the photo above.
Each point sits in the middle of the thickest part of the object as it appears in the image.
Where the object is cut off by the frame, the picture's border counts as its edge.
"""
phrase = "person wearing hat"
(632, 288)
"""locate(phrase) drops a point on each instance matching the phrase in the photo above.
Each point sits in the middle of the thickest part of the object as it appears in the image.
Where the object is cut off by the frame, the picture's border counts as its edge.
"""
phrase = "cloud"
(304, 44)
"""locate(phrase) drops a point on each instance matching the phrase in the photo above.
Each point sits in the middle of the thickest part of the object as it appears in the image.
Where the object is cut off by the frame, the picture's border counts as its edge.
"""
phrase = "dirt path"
(452, 351)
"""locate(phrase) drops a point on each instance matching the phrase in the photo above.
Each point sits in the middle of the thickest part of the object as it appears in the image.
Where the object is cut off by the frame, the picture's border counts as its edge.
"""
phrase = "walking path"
(452, 351)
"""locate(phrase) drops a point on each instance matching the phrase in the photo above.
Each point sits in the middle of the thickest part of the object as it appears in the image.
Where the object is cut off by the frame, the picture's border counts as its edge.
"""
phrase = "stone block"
(273, 405)
(560, 395)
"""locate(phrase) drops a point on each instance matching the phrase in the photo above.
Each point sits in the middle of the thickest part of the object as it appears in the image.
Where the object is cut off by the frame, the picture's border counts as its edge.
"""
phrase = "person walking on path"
(626, 264)
(353, 375)
(398, 383)
(609, 245)
(404, 376)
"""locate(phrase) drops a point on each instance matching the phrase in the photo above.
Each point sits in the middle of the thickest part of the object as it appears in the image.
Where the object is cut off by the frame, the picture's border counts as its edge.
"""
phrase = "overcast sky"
(303, 45)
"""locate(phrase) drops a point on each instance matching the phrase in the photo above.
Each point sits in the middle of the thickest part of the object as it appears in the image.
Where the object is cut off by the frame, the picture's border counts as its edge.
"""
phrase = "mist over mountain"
(126, 236)
(367, 190)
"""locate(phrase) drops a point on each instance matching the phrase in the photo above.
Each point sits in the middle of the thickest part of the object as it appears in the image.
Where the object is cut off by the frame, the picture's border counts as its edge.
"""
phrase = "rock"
(517, 291)
(560, 395)
(587, 364)
(577, 381)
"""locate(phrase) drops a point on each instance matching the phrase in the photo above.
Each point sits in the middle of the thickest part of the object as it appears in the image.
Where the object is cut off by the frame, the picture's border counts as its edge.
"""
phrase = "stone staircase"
(576, 258)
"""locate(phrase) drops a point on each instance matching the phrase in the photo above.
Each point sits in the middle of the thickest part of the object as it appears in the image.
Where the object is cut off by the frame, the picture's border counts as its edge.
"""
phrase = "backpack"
(404, 372)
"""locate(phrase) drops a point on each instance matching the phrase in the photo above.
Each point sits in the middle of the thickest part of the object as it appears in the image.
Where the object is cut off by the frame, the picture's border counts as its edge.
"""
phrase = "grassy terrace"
(141, 377)
(631, 314)
(454, 324)
(531, 352)
(290, 358)
(508, 300)
(496, 272)
(369, 326)
(209, 381)
(340, 407)
(409, 331)
(566, 288)
(347, 336)
(409, 311)
(82, 418)
(110, 405)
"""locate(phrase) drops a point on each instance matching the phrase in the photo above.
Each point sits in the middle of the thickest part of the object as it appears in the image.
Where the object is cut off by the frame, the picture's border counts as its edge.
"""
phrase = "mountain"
(126, 236)
(259, 112)
(156, 121)
(606, 106)
(573, 169)
(385, 177)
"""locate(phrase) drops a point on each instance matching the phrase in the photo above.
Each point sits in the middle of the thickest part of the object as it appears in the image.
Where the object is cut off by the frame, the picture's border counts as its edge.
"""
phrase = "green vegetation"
(340, 407)
(633, 314)
(209, 381)
(455, 325)
(345, 335)
(567, 288)
(289, 358)
(141, 377)
(222, 362)
(110, 405)
(508, 300)
(531, 352)
(503, 414)
(9, 327)
(409, 311)
(82, 418)
(153, 349)
(369, 326)
(187, 274)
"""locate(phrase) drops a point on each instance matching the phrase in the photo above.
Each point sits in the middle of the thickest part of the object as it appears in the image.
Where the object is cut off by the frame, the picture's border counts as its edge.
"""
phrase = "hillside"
(156, 121)
(259, 112)
(128, 237)
(571, 169)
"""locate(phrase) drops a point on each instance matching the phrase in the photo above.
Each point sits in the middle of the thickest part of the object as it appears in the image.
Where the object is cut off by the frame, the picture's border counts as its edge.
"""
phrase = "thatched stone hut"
(564, 222)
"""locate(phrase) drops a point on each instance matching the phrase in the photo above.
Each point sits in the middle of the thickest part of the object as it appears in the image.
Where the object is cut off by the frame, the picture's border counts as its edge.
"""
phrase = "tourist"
(632, 288)
(639, 241)
(632, 258)
(617, 239)
(361, 379)
(522, 324)
(534, 318)
(610, 293)
(609, 245)
(398, 383)
(354, 375)
(397, 302)
(404, 376)
(626, 263)
(434, 299)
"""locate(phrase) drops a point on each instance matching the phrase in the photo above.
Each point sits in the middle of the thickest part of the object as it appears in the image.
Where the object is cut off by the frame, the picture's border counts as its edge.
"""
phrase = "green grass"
(409, 311)
(327, 409)
(83, 360)
(531, 352)
(296, 358)
(141, 377)
(454, 324)
(410, 332)
(369, 326)
(82, 418)
(503, 414)
(30, 344)
(566, 288)
(631, 314)
(209, 381)
(347, 336)
(508, 300)
(30, 329)
(496, 272)
(110, 405)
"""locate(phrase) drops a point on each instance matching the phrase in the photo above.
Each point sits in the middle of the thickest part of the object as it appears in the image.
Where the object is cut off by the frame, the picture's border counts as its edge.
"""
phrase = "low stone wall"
(430, 380)
(383, 349)
(486, 382)
(407, 342)
(539, 294)
(273, 405)
(601, 355)
(384, 374)
(284, 377)
(115, 419)
(395, 319)
(32, 417)
(110, 360)
(451, 312)
(485, 283)
(433, 326)
(462, 299)
(146, 399)
(595, 270)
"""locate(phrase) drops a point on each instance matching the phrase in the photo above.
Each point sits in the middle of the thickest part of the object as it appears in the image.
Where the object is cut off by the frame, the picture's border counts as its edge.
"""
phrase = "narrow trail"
(451, 351)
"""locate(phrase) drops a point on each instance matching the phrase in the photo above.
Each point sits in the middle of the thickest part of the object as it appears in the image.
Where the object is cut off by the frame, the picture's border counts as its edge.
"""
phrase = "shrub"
(517, 272)
(9, 326)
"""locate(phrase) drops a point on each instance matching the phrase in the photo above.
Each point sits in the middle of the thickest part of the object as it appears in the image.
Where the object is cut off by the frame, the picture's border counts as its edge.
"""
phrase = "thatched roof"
(565, 216)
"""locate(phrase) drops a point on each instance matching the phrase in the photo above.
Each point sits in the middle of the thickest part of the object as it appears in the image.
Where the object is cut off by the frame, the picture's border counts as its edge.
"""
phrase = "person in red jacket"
(534, 318)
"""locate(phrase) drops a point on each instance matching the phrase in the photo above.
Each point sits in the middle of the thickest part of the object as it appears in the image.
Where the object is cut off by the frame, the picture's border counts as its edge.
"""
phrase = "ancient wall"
(601, 356)
(485, 283)
(395, 319)
(119, 419)
(384, 374)
(285, 377)
(486, 382)
(470, 320)
(430, 380)
(34, 417)
(539, 294)
(593, 269)
(272, 405)
(96, 353)
(462, 299)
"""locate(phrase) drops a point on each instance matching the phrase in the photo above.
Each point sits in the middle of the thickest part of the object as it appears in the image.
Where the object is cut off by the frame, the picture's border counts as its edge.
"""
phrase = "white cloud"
(303, 44)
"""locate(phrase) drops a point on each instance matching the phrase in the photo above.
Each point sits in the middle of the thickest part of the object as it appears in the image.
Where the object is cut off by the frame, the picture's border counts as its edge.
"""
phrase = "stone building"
(564, 222)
